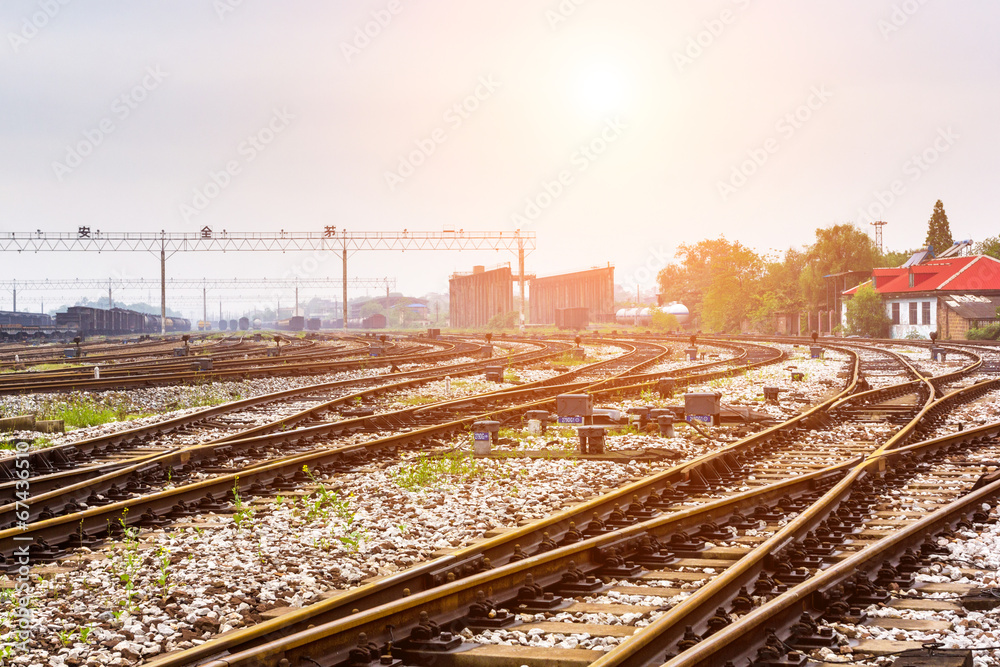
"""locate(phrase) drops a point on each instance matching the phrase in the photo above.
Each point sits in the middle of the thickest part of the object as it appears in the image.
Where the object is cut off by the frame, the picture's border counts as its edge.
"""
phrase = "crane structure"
(330, 239)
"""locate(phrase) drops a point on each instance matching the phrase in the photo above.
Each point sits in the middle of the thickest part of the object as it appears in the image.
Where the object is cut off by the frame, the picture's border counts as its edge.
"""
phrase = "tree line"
(732, 286)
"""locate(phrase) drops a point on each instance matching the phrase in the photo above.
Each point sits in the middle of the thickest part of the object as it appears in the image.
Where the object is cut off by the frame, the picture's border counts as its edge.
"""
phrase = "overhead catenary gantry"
(330, 239)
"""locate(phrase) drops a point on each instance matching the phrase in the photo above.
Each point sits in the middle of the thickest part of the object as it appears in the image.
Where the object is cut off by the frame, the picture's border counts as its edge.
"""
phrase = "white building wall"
(905, 327)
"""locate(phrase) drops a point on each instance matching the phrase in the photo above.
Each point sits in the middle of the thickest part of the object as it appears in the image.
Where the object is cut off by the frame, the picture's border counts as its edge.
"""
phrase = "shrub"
(506, 320)
(662, 321)
(989, 332)
(866, 314)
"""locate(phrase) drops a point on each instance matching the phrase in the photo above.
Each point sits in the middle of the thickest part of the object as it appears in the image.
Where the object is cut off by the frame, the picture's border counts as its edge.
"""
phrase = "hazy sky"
(615, 130)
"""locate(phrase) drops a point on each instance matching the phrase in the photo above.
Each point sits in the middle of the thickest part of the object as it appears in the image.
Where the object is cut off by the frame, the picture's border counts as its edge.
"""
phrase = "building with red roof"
(949, 295)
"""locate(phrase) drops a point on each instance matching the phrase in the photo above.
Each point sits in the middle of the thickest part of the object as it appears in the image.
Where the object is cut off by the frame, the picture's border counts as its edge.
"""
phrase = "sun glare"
(601, 89)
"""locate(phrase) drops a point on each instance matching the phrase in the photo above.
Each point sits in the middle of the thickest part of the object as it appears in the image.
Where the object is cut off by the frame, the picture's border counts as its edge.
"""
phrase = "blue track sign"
(480, 436)
(701, 418)
(571, 420)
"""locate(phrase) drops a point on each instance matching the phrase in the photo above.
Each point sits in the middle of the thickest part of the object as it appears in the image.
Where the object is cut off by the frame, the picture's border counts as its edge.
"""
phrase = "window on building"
(911, 280)
(913, 313)
(925, 312)
(895, 313)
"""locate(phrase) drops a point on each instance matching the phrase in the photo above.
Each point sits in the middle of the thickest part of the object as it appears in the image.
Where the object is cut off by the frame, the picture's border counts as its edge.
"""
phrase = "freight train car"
(96, 321)
(25, 319)
(376, 321)
(296, 323)
(26, 325)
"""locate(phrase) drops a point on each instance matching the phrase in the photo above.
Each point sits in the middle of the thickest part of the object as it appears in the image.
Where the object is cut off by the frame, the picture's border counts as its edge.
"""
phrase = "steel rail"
(40, 458)
(169, 371)
(63, 482)
(497, 548)
(650, 641)
(258, 435)
(721, 645)
(334, 616)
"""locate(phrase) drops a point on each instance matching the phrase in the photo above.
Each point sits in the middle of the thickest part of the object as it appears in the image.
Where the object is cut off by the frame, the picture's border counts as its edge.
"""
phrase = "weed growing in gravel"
(325, 502)
(130, 560)
(631, 429)
(243, 513)
(427, 471)
(207, 394)
(509, 433)
(353, 539)
(8, 603)
(417, 400)
(568, 360)
(84, 411)
(260, 552)
(163, 559)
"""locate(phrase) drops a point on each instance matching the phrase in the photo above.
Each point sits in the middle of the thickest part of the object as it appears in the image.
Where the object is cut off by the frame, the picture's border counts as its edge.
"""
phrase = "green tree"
(894, 258)
(372, 308)
(779, 290)
(503, 321)
(866, 313)
(662, 321)
(938, 230)
(837, 248)
(989, 246)
(716, 278)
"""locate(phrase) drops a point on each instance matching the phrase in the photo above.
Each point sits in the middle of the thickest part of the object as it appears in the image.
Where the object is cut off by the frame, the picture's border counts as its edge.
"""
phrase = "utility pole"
(343, 236)
(163, 282)
(111, 302)
(520, 278)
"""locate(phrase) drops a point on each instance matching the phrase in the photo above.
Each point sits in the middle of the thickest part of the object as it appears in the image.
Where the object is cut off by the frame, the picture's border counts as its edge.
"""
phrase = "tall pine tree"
(938, 230)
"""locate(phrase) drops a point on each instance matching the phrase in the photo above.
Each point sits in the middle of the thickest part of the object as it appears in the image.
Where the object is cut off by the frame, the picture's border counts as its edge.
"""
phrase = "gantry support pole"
(520, 277)
(163, 284)
(345, 283)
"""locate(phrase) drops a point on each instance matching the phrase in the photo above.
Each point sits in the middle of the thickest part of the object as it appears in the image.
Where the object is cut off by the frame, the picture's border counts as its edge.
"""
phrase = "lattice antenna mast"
(878, 225)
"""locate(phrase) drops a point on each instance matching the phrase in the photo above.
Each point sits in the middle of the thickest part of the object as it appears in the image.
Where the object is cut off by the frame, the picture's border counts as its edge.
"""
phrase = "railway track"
(784, 488)
(710, 490)
(61, 492)
(177, 370)
(55, 352)
(116, 457)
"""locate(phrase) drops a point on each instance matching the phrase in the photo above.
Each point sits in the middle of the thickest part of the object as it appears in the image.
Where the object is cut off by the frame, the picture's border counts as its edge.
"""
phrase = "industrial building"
(475, 298)
(593, 289)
